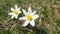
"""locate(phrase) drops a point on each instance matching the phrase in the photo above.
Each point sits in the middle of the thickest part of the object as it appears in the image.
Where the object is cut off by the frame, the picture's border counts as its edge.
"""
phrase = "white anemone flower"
(15, 12)
(29, 17)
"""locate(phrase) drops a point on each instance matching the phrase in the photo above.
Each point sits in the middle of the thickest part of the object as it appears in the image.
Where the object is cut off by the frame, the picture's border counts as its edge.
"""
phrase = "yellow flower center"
(15, 12)
(29, 17)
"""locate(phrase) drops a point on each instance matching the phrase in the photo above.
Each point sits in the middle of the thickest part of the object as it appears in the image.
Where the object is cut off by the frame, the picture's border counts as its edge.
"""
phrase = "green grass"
(47, 23)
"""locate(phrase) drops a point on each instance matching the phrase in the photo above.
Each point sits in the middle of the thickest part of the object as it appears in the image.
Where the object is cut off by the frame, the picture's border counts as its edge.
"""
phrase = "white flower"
(29, 17)
(15, 12)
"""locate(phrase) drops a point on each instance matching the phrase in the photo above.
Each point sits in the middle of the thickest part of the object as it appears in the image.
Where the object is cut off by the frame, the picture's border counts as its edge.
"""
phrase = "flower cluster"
(29, 17)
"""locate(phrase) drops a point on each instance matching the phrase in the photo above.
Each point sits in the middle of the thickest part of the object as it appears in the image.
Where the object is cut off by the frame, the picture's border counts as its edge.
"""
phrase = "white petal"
(10, 13)
(35, 16)
(16, 6)
(12, 17)
(29, 10)
(19, 11)
(26, 23)
(32, 23)
(12, 9)
(25, 13)
(22, 18)
(34, 12)
(19, 8)
(16, 16)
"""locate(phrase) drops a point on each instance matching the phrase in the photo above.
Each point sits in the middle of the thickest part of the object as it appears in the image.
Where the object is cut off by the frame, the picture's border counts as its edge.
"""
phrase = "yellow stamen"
(15, 12)
(29, 17)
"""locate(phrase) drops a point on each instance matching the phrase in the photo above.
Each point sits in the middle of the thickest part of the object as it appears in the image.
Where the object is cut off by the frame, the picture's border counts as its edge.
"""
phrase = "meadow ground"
(47, 23)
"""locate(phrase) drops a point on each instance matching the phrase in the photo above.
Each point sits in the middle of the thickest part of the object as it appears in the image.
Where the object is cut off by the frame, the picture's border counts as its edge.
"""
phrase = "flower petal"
(26, 23)
(12, 9)
(34, 12)
(32, 23)
(29, 10)
(22, 18)
(10, 13)
(35, 16)
(12, 17)
(25, 13)
(19, 12)
(16, 16)
(16, 6)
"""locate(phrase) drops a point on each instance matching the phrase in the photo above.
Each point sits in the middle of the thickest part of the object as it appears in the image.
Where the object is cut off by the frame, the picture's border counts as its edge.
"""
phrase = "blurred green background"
(47, 23)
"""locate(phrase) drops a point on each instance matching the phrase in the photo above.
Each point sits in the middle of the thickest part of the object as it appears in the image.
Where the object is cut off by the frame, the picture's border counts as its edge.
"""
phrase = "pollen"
(15, 12)
(29, 17)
